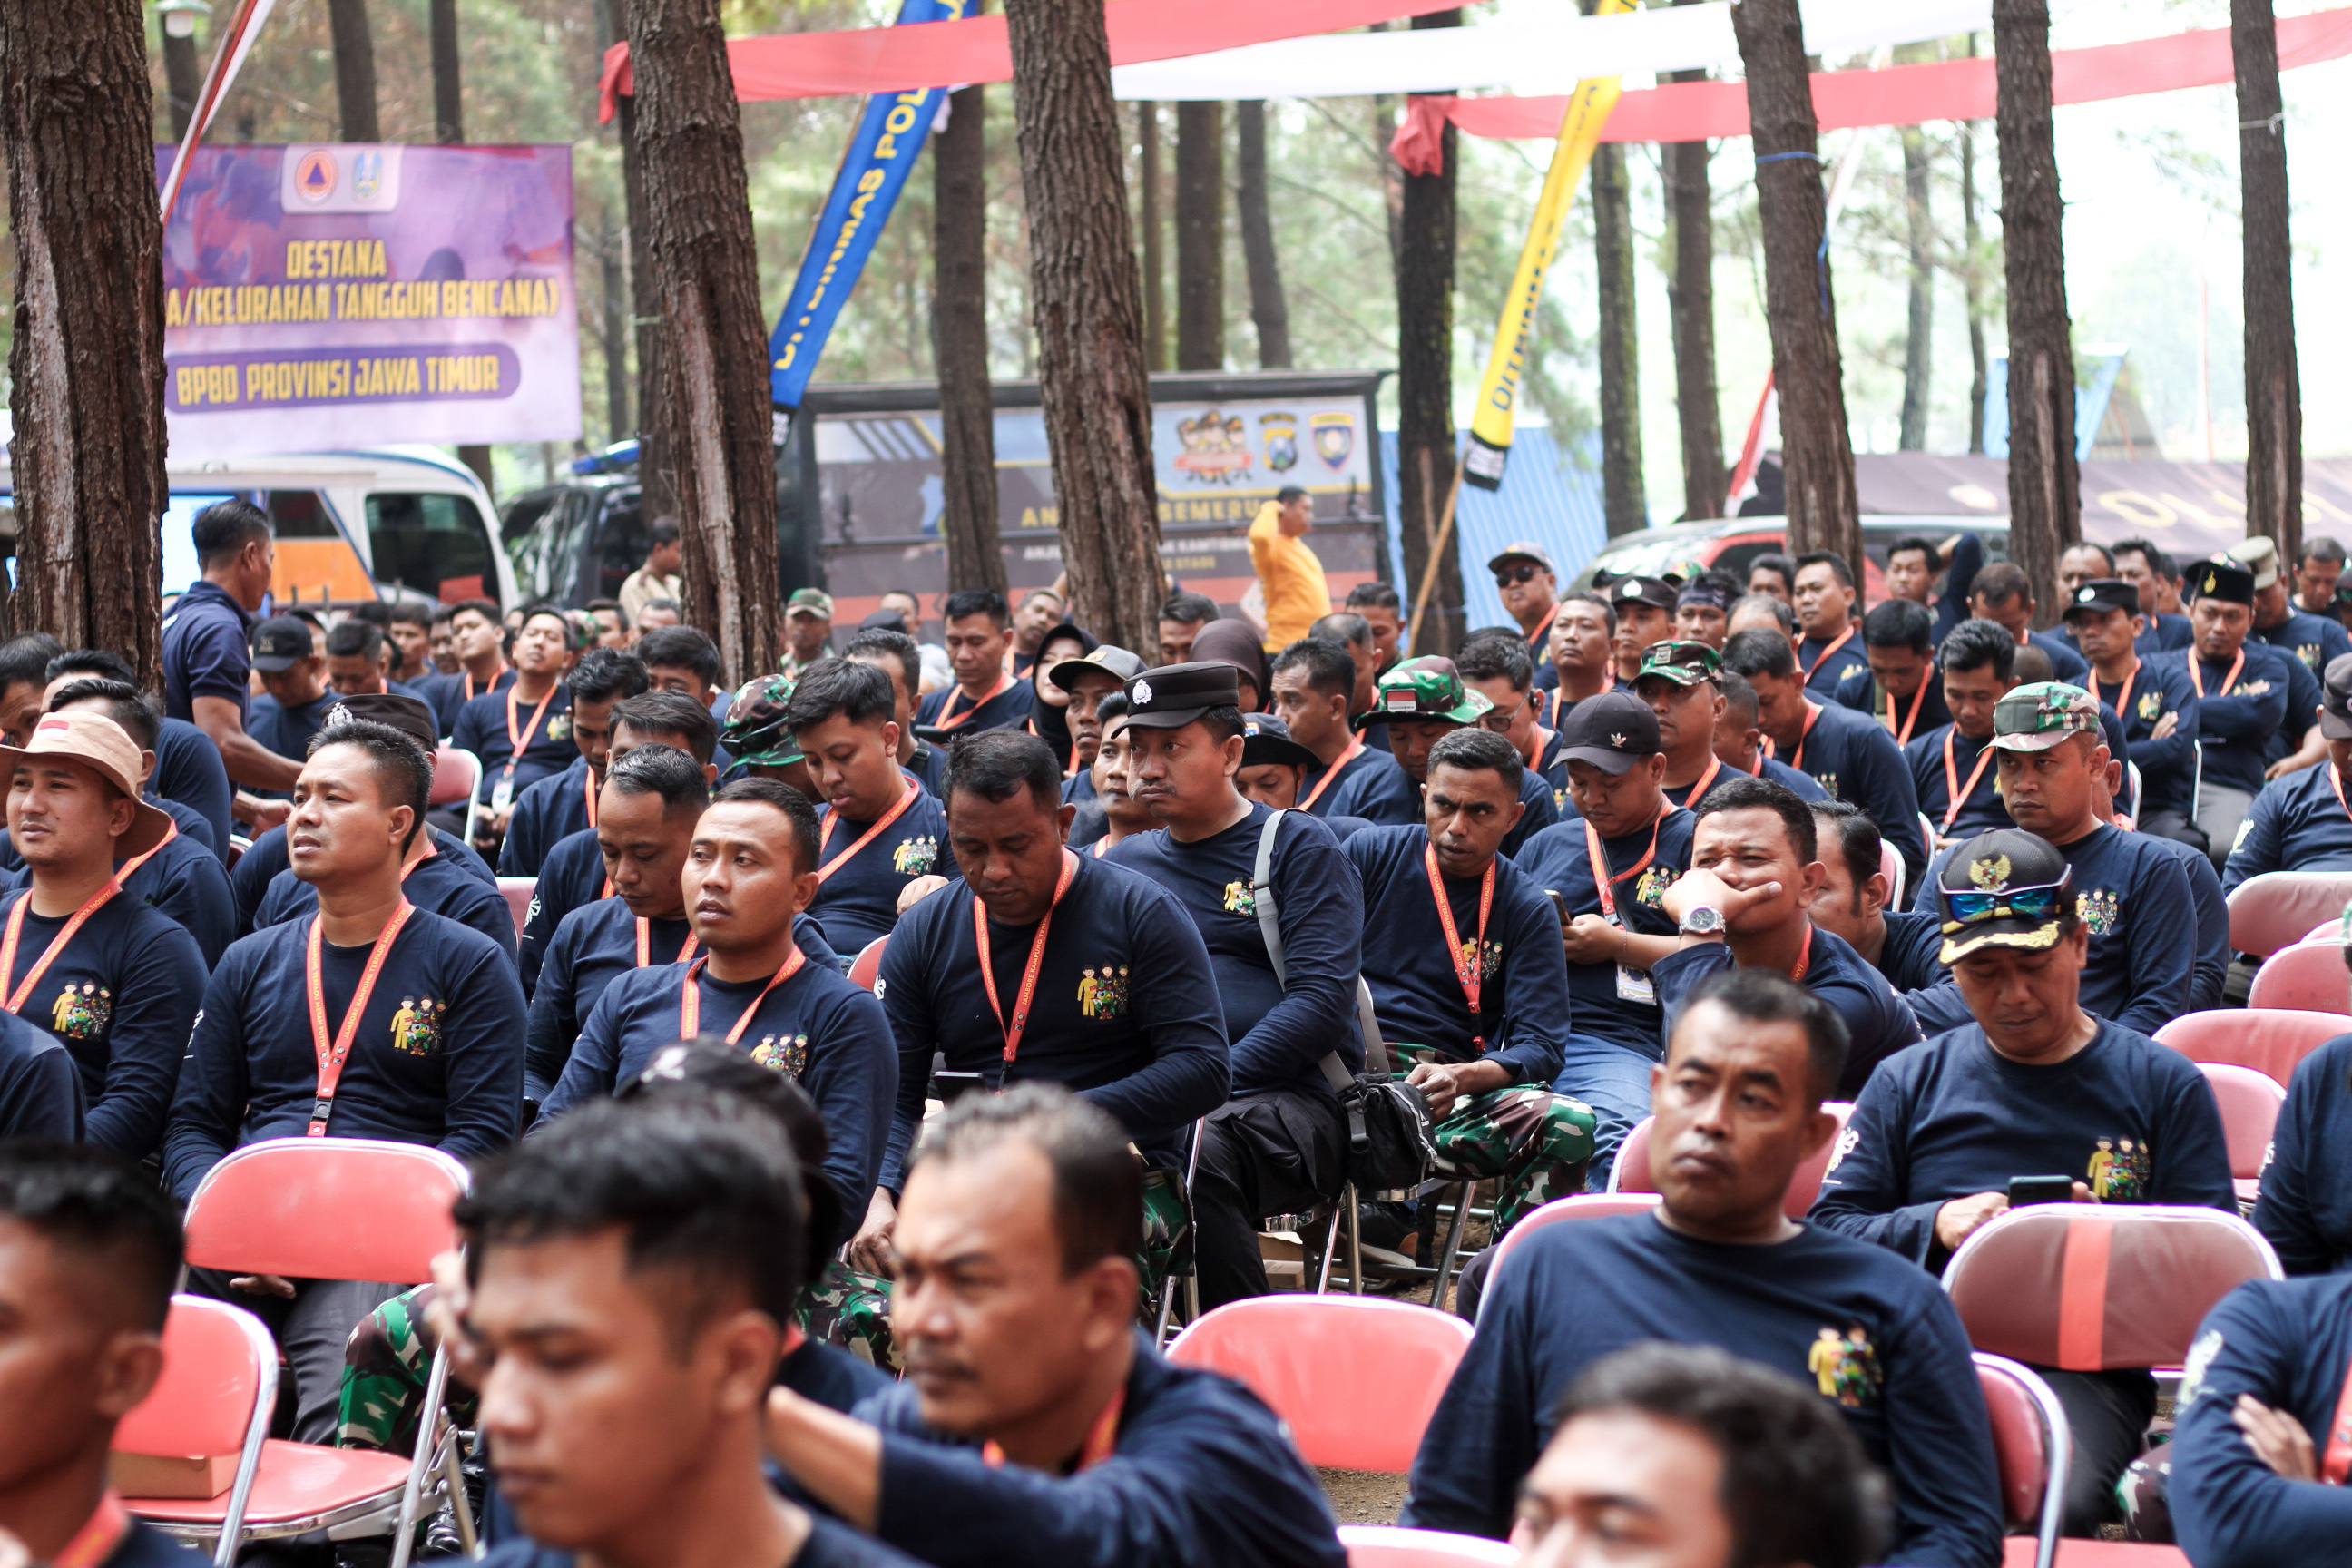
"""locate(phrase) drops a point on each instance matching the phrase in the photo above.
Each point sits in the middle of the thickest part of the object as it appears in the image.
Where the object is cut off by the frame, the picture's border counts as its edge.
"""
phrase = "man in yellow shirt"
(1295, 594)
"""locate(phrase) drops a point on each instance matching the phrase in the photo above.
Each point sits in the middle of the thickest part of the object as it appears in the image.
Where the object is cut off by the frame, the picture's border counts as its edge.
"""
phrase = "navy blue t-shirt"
(1983, 808)
(1925, 710)
(1951, 1117)
(1374, 786)
(1523, 998)
(1561, 858)
(1542, 811)
(1853, 758)
(182, 880)
(1952, 606)
(859, 900)
(449, 694)
(1874, 1335)
(830, 1545)
(818, 1028)
(2317, 640)
(1125, 1011)
(1780, 774)
(205, 651)
(259, 865)
(2298, 823)
(929, 763)
(2212, 970)
(1201, 1473)
(1008, 710)
(438, 883)
(2236, 729)
(121, 998)
(572, 875)
(40, 1089)
(1878, 1022)
(437, 1060)
(547, 813)
(1280, 1028)
(1907, 958)
(287, 731)
(2305, 1208)
(2066, 662)
(188, 769)
(144, 1546)
(2167, 768)
(1833, 677)
(481, 729)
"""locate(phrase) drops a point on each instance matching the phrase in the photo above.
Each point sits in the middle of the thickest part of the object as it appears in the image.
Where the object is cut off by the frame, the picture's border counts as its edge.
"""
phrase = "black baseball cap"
(1266, 739)
(2101, 595)
(281, 642)
(2005, 888)
(1613, 732)
(2336, 700)
(1173, 695)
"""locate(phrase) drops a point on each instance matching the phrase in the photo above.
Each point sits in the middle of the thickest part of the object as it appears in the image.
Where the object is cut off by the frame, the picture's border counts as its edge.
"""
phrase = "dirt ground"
(1363, 1497)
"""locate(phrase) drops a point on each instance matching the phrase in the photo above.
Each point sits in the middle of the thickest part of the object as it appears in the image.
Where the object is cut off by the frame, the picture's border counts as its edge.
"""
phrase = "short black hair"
(1855, 836)
(1899, 623)
(1473, 749)
(377, 613)
(1746, 792)
(226, 527)
(1973, 645)
(703, 1184)
(1497, 656)
(1796, 1488)
(986, 601)
(1193, 609)
(1918, 541)
(482, 607)
(665, 771)
(125, 704)
(1109, 706)
(1330, 668)
(665, 531)
(1774, 562)
(607, 675)
(2105, 554)
(402, 766)
(898, 647)
(1289, 493)
(786, 799)
(593, 605)
(1097, 1189)
(994, 764)
(1222, 723)
(1343, 626)
(355, 638)
(2159, 560)
(1829, 558)
(2001, 582)
(1738, 694)
(1598, 601)
(1777, 607)
(681, 648)
(670, 713)
(2322, 549)
(1373, 596)
(27, 656)
(81, 1197)
(1757, 652)
(672, 605)
(556, 613)
(1768, 996)
(840, 687)
(411, 613)
(95, 661)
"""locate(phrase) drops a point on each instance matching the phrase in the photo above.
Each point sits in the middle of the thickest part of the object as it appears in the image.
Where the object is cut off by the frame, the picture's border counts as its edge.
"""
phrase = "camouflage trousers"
(1167, 1234)
(1533, 1144)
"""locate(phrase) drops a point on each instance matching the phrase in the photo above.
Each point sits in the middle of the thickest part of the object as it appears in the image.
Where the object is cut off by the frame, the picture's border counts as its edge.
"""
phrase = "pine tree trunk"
(611, 252)
(1199, 236)
(2045, 490)
(1086, 307)
(708, 427)
(644, 311)
(1268, 309)
(959, 344)
(77, 126)
(354, 70)
(1425, 436)
(1972, 282)
(1155, 240)
(1918, 343)
(1690, 308)
(449, 129)
(1816, 454)
(2273, 382)
(1623, 502)
(186, 81)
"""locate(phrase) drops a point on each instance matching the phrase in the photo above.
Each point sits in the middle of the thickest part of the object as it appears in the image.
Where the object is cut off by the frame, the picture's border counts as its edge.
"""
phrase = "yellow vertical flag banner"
(1589, 107)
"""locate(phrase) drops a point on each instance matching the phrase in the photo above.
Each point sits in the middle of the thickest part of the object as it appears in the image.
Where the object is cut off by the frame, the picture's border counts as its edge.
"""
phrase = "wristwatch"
(1702, 920)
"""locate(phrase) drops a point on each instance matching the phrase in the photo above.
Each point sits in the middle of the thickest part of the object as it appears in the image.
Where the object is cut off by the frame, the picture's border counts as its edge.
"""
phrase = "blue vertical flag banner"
(890, 135)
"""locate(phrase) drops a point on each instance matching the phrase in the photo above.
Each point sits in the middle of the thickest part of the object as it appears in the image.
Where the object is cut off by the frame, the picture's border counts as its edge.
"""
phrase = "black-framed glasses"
(1512, 577)
(2041, 903)
(1500, 719)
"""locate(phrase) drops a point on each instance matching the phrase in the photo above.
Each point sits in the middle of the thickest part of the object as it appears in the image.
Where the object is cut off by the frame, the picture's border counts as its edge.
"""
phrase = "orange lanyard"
(80, 917)
(493, 685)
(1355, 749)
(896, 810)
(949, 721)
(1471, 975)
(332, 1055)
(431, 849)
(588, 788)
(689, 1006)
(1100, 845)
(1028, 992)
(1805, 961)
(1844, 637)
(1903, 736)
(99, 1537)
(1601, 879)
(2123, 698)
(2335, 1465)
(518, 740)
(1698, 791)
(2197, 672)
(1797, 761)
(1102, 1440)
(1958, 796)
(141, 858)
(644, 944)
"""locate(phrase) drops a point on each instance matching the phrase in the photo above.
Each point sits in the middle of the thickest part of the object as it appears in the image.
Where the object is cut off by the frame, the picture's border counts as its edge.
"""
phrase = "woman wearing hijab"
(1237, 643)
(1049, 715)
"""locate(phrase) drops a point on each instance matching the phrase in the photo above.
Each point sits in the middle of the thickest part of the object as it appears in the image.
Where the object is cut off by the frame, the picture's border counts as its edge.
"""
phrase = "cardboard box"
(185, 1476)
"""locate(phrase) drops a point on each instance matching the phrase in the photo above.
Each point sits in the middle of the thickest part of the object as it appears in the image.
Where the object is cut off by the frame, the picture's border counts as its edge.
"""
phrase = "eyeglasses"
(2041, 903)
(1512, 577)
(1500, 719)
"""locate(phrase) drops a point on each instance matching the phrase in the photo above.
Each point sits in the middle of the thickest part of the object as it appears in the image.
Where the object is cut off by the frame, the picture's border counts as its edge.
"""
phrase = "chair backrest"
(2250, 1102)
(2030, 1445)
(220, 1375)
(2273, 911)
(1578, 1205)
(2097, 1287)
(1356, 1377)
(1631, 1172)
(866, 967)
(457, 775)
(519, 892)
(1890, 863)
(2308, 977)
(2270, 1041)
(1392, 1546)
(326, 1208)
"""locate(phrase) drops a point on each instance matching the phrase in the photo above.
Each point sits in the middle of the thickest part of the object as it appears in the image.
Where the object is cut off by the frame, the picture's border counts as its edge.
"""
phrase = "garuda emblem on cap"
(1143, 692)
(2212, 582)
(1990, 875)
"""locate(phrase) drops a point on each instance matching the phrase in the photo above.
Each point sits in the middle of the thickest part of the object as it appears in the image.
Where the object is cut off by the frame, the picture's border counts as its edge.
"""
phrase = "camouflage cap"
(1684, 663)
(810, 602)
(754, 731)
(2035, 718)
(1416, 694)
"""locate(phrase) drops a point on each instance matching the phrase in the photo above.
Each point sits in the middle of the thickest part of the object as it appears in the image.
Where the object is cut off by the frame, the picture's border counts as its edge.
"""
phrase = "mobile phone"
(2024, 1190)
(1558, 904)
(947, 1087)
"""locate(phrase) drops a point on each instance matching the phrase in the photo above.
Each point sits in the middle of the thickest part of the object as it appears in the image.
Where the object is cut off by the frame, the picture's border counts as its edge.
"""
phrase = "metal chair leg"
(1343, 1209)
(1453, 1243)
(1355, 1243)
(453, 1472)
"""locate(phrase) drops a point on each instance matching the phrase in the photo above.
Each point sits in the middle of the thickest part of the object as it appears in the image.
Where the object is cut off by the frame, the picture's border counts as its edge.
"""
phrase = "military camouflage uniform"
(1534, 1144)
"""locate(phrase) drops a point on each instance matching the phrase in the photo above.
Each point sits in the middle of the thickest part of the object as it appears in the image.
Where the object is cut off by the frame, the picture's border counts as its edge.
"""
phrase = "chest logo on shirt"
(1652, 889)
(82, 1014)
(2118, 1171)
(2251, 688)
(416, 1027)
(1845, 1367)
(560, 726)
(2151, 704)
(2098, 910)
(787, 1054)
(1102, 992)
(2309, 653)
(1829, 783)
(1240, 900)
(915, 857)
(1846, 1143)
(1560, 799)
(1487, 958)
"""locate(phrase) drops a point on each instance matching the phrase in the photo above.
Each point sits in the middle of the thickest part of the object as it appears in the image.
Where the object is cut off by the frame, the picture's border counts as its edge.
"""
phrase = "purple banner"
(326, 377)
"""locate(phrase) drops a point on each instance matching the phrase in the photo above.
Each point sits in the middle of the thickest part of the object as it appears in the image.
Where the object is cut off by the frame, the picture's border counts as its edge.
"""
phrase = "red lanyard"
(1797, 761)
(1102, 1440)
(1028, 992)
(2335, 1465)
(332, 1055)
(1601, 879)
(644, 944)
(1698, 791)
(2123, 698)
(949, 721)
(99, 1537)
(1472, 974)
(1355, 749)
(80, 917)
(1844, 637)
(689, 1006)
(898, 810)
(1959, 797)
(1805, 961)
(518, 740)
(2197, 672)
(1903, 736)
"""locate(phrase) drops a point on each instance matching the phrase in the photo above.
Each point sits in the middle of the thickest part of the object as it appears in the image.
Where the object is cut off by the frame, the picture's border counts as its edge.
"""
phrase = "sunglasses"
(2040, 903)
(1511, 576)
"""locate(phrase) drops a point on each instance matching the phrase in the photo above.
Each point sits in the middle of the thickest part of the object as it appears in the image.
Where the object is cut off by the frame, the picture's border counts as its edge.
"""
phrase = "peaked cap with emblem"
(2036, 717)
(2222, 579)
(1266, 739)
(1663, 593)
(1422, 692)
(409, 715)
(1173, 695)
(1613, 732)
(1981, 875)
(1684, 663)
(754, 733)
(2102, 596)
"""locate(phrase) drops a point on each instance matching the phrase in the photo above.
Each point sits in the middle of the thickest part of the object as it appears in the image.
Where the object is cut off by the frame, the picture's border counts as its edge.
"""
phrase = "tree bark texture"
(1199, 236)
(1088, 314)
(1918, 343)
(77, 124)
(2044, 488)
(644, 311)
(1622, 500)
(613, 275)
(959, 344)
(448, 95)
(1972, 283)
(1425, 434)
(710, 426)
(1816, 453)
(1155, 239)
(354, 70)
(1268, 309)
(187, 80)
(2274, 382)
(1690, 308)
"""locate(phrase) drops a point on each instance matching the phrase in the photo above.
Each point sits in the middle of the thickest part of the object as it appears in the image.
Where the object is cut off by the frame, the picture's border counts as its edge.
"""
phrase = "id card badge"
(1635, 985)
(502, 792)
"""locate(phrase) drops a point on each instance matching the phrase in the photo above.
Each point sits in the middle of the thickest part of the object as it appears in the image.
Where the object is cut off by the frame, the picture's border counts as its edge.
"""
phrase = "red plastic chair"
(867, 968)
(326, 1208)
(2308, 977)
(2270, 1040)
(1631, 1172)
(520, 891)
(2276, 908)
(1356, 1377)
(457, 775)
(2249, 1103)
(218, 1389)
(1389, 1546)
(1890, 865)
(1579, 1206)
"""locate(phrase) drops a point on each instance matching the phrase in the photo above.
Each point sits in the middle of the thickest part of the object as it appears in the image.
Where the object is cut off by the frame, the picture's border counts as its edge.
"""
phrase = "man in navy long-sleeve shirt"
(2299, 823)
(1278, 1144)
(1738, 1110)
(2305, 1209)
(2154, 701)
(555, 808)
(2245, 714)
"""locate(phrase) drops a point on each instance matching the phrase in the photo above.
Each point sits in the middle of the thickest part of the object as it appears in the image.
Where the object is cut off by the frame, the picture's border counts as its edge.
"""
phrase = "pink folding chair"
(1577, 1206)
(1389, 1546)
(2274, 909)
(2270, 1041)
(1356, 1377)
(1631, 1172)
(215, 1397)
(2032, 1447)
(867, 968)
(521, 893)
(1890, 865)
(2249, 1103)
(2308, 977)
(457, 775)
